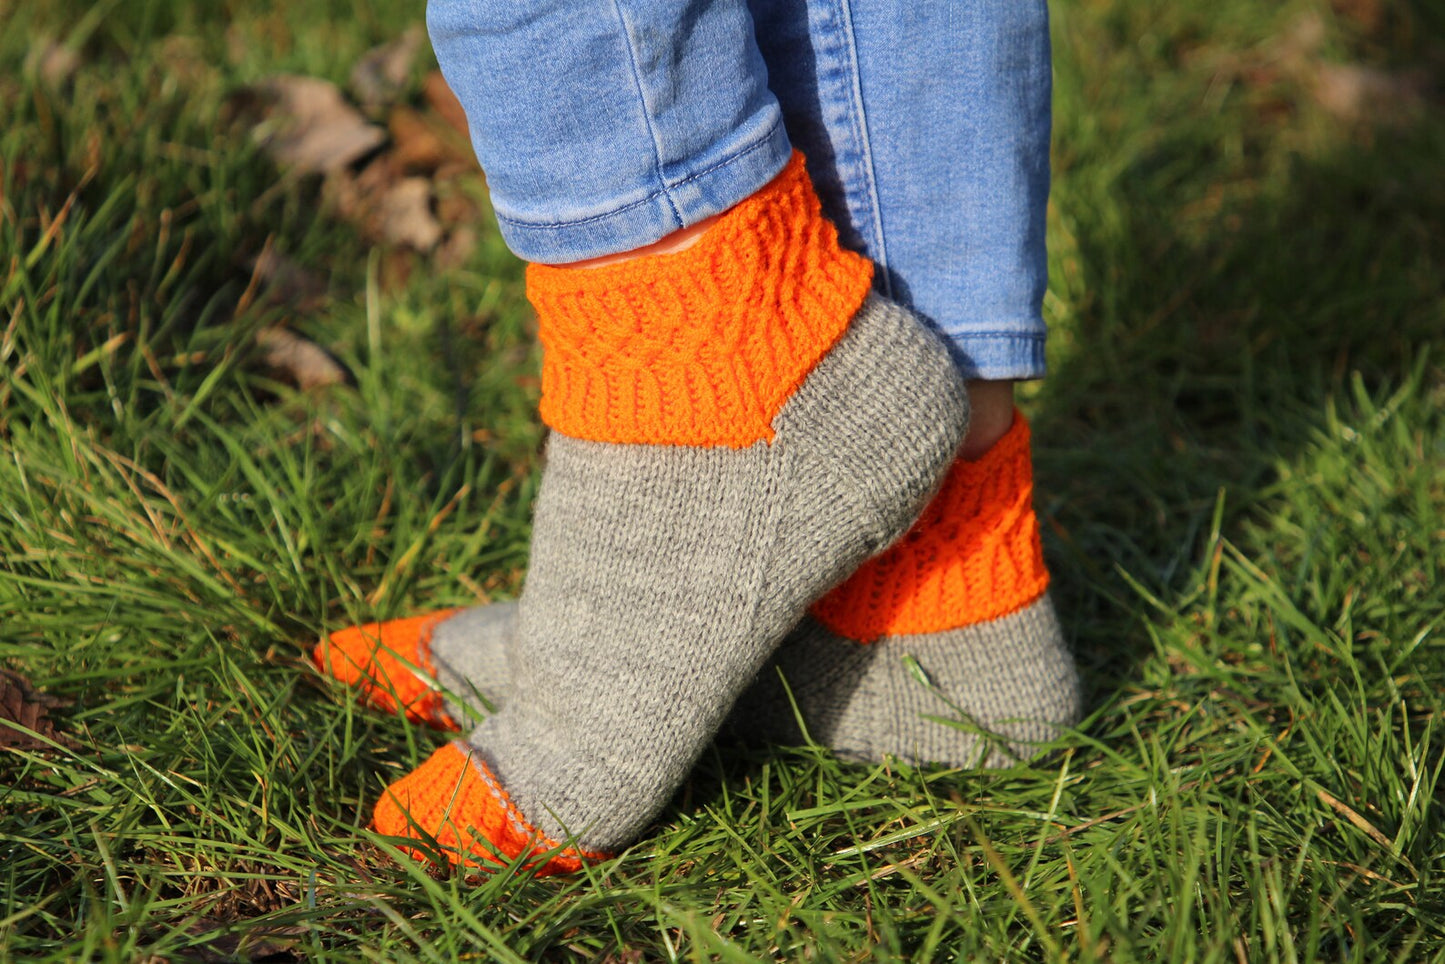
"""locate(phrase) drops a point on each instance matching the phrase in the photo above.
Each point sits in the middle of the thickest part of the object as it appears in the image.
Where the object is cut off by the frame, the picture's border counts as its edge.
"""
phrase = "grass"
(1240, 454)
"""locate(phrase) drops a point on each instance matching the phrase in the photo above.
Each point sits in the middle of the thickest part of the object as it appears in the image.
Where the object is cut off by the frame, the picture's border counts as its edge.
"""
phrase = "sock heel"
(887, 447)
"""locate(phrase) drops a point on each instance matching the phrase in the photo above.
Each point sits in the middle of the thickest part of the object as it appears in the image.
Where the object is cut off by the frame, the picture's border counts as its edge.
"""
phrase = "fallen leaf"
(416, 148)
(22, 704)
(353, 196)
(380, 74)
(441, 99)
(284, 282)
(309, 127)
(300, 359)
(388, 208)
(1353, 92)
(457, 248)
(628, 956)
(404, 215)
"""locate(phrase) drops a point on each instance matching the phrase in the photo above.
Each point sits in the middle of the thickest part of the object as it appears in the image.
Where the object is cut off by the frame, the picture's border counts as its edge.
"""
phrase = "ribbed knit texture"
(662, 577)
(974, 555)
(390, 665)
(793, 425)
(1009, 677)
(703, 346)
(461, 803)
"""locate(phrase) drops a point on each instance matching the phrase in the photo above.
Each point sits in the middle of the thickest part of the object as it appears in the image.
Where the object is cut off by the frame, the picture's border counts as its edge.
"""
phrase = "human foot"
(960, 600)
(736, 427)
(943, 649)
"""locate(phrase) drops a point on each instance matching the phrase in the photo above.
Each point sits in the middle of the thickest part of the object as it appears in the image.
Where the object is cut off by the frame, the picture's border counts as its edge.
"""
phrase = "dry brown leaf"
(381, 73)
(21, 703)
(457, 248)
(404, 215)
(628, 956)
(416, 148)
(441, 99)
(310, 128)
(286, 283)
(1353, 92)
(299, 359)
(352, 196)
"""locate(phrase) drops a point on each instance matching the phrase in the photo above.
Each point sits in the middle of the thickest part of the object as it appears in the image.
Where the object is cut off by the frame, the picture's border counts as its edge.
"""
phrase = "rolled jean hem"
(682, 203)
(1003, 356)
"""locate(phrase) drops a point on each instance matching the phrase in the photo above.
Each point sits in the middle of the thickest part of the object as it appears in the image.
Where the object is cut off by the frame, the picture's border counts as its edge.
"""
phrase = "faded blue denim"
(604, 125)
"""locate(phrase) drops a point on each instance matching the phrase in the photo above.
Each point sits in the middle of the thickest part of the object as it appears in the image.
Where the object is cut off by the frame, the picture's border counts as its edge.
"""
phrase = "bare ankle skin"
(992, 412)
(674, 242)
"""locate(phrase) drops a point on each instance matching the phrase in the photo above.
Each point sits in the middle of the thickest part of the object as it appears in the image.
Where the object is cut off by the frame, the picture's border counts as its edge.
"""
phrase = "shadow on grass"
(1208, 326)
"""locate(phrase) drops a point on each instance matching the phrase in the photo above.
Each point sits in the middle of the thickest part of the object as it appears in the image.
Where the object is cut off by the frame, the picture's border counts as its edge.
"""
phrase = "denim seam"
(665, 193)
(1020, 335)
(732, 158)
(860, 131)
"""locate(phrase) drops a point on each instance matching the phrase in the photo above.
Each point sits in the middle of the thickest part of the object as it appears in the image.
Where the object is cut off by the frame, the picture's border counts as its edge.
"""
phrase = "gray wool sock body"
(983, 695)
(664, 577)
(469, 654)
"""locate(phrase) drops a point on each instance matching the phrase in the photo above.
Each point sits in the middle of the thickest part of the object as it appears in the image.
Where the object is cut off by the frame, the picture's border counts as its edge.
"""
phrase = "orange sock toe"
(384, 661)
(454, 798)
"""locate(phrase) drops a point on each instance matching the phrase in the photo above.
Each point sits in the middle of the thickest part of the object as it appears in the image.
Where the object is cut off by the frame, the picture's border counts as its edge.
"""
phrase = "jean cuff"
(998, 356)
(698, 195)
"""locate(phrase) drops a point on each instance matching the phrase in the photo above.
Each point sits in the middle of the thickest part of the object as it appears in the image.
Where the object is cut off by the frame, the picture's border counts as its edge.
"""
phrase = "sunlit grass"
(1240, 452)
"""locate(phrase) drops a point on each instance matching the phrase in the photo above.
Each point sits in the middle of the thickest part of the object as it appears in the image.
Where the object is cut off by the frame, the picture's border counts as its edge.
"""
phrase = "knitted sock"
(943, 649)
(735, 428)
(443, 669)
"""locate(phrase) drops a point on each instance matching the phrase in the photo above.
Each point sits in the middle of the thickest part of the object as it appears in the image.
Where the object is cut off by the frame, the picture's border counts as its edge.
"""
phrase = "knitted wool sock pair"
(736, 428)
(962, 597)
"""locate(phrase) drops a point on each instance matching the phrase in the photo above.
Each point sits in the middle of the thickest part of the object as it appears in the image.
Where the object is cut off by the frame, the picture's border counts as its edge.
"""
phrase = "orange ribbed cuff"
(974, 555)
(702, 346)
(455, 798)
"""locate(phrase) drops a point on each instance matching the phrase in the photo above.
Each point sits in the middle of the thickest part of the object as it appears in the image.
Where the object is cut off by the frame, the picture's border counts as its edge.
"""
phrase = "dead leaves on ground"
(308, 127)
(1355, 93)
(305, 362)
(380, 158)
(390, 164)
(1297, 61)
(24, 716)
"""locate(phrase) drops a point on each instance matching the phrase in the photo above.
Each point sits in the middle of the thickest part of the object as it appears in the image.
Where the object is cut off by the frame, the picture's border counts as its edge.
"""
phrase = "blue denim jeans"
(604, 125)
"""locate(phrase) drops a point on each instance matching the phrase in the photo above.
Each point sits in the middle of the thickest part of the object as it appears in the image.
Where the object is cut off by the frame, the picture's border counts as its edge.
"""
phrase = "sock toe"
(454, 798)
(390, 665)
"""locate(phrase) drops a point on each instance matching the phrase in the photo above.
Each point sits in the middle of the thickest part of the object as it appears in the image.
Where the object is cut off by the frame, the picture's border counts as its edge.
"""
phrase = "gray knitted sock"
(983, 695)
(662, 579)
(469, 655)
(966, 663)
